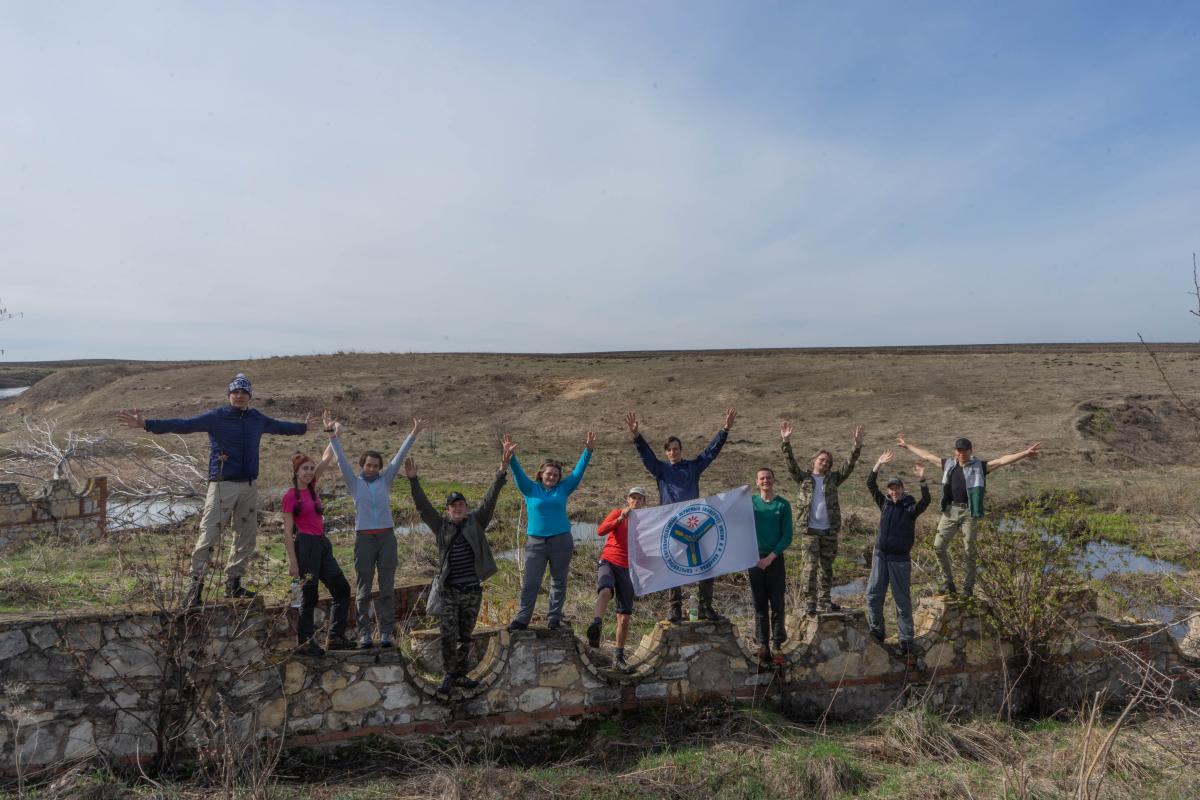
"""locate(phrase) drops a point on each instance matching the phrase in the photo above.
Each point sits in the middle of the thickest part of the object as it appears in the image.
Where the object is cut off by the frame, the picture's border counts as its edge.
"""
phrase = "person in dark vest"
(234, 432)
(466, 560)
(891, 560)
(964, 478)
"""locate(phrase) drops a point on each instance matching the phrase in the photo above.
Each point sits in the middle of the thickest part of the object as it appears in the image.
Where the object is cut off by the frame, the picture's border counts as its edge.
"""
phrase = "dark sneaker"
(366, 644)
(310, 648)
(446, 686)
(553, 625)
(676, 614)
(620, 663)
(466, 683)
(385, 642)
(337, 641)
(830, 607)
(234, 588)
(194, 595)
(709, 614)
(905, 648)
(810, 609)
(515, 626)
(593, 633)
(877, 635)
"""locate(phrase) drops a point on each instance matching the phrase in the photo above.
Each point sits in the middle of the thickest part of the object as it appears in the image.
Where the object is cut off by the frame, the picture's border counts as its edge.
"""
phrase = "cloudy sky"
(223, 180)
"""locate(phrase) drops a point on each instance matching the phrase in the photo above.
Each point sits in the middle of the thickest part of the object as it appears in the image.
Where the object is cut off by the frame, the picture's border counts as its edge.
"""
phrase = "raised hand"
(919, 470)
(859, 432)
(311, 420)
(507, 448)
(901, 443)
(631, 422)
(589, 441)
(133, 419)
(730, 416)
(1032, 450)
(337, 430)
(410, 468)
(419, 424)
(884, 458)
(327, 419)
(785, 430)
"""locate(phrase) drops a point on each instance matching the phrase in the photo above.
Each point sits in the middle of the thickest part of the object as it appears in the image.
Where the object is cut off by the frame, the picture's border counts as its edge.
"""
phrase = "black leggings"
(314, 556)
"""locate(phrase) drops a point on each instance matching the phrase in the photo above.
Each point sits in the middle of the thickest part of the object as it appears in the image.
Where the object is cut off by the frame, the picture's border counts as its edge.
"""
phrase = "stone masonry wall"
(82, 685)
(57, 510)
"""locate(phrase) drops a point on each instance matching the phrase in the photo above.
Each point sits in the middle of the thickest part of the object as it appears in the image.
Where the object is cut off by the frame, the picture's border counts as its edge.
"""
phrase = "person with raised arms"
(678, 479)
(234, 433)
(819, 512)
(465, 560)
(612, 574)
(374, 532)
(964, 478)
(549, 539)
(310, 555)
(768, 578)
(891, 560)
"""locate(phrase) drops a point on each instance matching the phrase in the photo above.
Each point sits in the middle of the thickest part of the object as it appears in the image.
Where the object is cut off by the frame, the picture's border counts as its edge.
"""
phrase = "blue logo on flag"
(699, 528)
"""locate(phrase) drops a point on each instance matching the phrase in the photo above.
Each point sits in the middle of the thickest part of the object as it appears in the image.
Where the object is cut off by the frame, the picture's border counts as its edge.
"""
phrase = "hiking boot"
(593, 633)
(763, 654)
(877, 635)
(463, 682)
(515, 626)
(709, 614)
(310, 648)
(810, 609)
(365, 643)
(553, 624)
(234, 589)
(195, 594)
(620, 663)
(905, 648)
(337, 641)
(385, 642)
(830, 607)
(676, 616)
(447, 685)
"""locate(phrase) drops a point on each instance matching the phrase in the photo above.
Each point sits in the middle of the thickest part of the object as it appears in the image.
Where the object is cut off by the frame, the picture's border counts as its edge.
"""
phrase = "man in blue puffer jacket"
(892, 564)
(234, 432)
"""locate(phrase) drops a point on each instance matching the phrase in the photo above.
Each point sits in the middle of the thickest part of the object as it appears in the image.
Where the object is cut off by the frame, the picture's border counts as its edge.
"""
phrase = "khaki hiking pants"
(953, 519)
(228, 502)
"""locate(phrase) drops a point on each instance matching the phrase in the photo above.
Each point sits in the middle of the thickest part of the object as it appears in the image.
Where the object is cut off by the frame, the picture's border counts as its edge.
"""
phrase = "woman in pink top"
(310, 556)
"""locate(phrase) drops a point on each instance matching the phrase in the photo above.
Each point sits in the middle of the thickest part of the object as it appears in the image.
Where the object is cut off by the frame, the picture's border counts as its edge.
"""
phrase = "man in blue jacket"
(678, 480)
(892, 562)
(233, 432)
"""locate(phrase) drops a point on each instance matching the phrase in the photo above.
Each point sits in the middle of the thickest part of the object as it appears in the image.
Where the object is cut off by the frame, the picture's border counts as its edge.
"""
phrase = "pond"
(147, 514)
(12, 392)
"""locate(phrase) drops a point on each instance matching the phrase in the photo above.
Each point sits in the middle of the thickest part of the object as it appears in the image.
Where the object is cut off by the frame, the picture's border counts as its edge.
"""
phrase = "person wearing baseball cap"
(891, 559)
(964, 478)
(612, 574)
(234, 433)
(466, 560)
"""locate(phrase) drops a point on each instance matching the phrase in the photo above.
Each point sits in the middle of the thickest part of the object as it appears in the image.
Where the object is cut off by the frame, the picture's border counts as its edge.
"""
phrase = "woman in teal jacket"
(549, 530)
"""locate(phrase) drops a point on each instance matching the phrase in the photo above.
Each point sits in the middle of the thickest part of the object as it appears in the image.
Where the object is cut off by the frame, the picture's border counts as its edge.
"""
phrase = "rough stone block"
(12, 643)
(648, 691)
(400, 695)
(293, 677)
(333, 680)
(355, 697)
(125, 659)
(387, 673)
(678, 669)
(44, 636)
(559, 676)
(81, 741)
(940, 655)
(550, 656)
(536, 698)
(273, 713)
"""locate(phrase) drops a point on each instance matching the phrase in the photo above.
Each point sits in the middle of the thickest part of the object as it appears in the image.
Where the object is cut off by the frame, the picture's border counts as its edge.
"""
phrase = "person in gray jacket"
(465, 560)
(374, 534)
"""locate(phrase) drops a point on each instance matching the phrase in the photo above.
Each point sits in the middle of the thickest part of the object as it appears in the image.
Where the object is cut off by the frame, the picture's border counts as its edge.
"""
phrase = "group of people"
(466, 559)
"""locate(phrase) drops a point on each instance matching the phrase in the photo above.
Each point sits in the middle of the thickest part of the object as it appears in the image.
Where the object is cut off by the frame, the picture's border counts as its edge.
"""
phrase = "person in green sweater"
(768, 580)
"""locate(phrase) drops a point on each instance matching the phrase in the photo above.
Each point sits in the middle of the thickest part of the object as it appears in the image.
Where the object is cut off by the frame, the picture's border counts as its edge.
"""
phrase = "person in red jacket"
(612, 574)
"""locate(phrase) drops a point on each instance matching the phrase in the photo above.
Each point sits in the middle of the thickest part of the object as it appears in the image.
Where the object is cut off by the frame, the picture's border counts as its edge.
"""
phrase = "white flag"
(689, 541)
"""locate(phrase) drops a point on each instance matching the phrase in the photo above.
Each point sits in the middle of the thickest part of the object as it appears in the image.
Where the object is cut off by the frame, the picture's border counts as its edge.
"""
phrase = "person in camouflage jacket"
(819, 514)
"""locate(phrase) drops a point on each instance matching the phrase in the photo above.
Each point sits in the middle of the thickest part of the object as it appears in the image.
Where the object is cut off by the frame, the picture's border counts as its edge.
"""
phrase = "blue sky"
(223, 180)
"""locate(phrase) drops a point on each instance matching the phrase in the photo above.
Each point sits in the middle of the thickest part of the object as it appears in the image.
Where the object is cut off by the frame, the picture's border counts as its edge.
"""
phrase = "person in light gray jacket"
(375, 535)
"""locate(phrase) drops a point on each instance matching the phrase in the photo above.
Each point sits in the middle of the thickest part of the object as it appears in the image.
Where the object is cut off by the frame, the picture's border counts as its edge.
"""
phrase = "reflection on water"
(143, 514)
(1100, 559)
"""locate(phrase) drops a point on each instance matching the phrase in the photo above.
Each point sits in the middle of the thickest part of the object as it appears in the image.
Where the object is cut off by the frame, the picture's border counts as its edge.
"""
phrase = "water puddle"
(582, 533)
(1100, 559)
(13, 392)
(148, 514)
